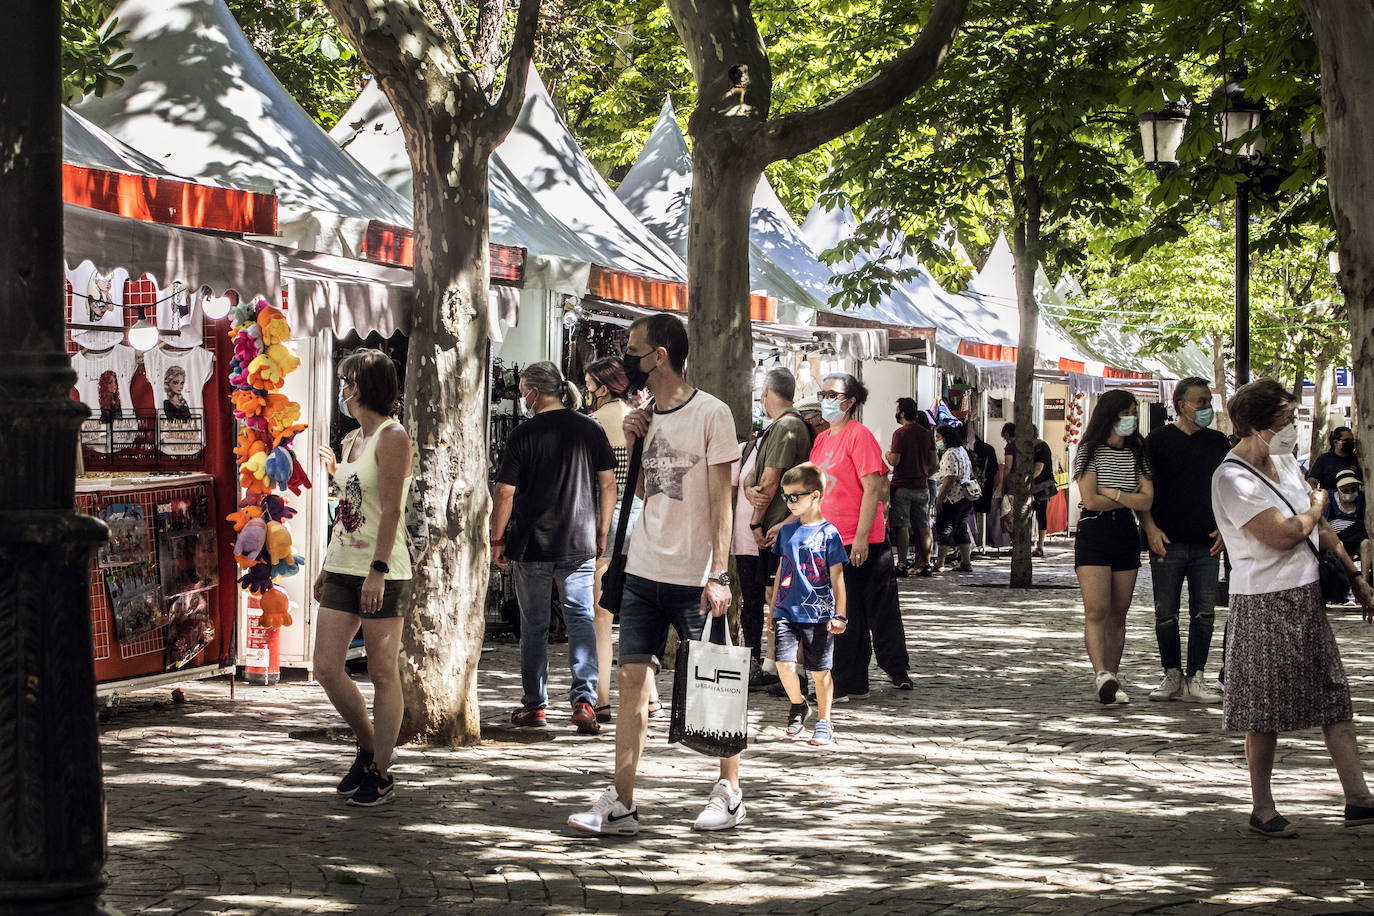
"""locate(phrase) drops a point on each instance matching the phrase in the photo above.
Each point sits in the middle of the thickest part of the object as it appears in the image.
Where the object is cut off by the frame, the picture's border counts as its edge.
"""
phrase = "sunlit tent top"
(556, 259)
(204, 104)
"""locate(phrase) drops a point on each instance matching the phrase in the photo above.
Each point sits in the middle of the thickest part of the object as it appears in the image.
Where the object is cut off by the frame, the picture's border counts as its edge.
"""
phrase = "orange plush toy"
(275, 609)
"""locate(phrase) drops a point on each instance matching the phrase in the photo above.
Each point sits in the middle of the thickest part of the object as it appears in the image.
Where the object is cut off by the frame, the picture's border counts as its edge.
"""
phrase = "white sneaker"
(1121, 698)
(1195, 690)
(1171, 688)
(723, 810)
(607, 815)
(1106, 685)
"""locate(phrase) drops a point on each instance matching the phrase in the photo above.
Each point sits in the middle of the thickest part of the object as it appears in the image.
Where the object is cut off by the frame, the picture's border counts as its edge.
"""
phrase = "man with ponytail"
(555, 489)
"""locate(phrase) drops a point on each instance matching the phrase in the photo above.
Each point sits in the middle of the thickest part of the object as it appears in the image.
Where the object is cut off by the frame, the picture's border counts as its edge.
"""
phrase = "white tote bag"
(711, 695)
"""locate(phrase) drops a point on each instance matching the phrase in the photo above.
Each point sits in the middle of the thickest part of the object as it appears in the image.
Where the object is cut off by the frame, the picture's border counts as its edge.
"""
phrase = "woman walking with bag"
(1283, 670)
(1113, 477)
(953, 503)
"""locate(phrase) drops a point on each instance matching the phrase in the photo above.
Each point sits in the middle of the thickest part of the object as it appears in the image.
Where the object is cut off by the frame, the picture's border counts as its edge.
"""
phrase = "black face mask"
(1344, 447)
(634, 373)
(898, 418)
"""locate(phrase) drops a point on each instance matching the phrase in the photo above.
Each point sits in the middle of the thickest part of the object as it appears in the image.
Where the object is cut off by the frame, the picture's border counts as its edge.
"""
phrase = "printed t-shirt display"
(673, 540)
(844, 459)
(805, 591)
(97, 302)
(178, 379)
(1237, 497)
(179, 316)
(552, 460)
(102, 384)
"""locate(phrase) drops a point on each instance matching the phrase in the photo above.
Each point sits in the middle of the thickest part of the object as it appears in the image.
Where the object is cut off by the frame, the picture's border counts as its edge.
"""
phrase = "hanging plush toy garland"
(262, 359)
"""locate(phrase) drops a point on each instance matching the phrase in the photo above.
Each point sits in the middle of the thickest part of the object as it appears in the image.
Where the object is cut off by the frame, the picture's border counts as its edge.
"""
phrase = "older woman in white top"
(1283, 670)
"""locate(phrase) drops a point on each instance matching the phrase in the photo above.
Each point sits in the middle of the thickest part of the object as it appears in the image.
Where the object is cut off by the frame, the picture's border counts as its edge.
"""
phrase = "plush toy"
(250, 443)
(275, 611)
(288, 567)
(257, 579)
(298, 480)
(243, 516)
(247, 403)
(274, 508)
(278, 542)
(281, 414)
(245, 312)
(253, 474)
(274, 326)
(250, 542)
(279, 466)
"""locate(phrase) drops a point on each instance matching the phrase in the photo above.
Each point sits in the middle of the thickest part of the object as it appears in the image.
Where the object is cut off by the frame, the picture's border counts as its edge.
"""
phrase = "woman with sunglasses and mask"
(1113, 475)
(1283, 670)
(1338, 458)
(851, 460)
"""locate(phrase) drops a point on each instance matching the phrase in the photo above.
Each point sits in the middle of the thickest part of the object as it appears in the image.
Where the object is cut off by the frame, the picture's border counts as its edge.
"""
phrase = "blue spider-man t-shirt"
(808, 552)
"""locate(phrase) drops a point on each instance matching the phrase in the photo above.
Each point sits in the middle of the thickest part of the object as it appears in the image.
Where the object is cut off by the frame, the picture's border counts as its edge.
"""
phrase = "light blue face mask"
(1125, 426)
(343, 406)
(1204, 417)
(831, 411)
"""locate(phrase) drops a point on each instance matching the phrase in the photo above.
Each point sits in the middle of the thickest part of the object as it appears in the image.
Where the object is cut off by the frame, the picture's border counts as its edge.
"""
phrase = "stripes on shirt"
(1115, 468)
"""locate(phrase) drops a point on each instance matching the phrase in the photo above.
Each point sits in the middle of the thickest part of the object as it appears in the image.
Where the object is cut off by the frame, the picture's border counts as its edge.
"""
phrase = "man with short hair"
(1184, 540)
(912, 456)
(784, 443)
(676, 571)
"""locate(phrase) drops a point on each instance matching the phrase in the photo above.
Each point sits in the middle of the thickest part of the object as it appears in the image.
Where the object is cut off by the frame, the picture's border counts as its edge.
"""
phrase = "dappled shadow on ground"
(997, 784)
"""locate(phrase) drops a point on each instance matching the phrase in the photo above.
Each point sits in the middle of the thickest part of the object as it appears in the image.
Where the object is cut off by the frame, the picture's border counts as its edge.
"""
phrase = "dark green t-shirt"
(784, 445)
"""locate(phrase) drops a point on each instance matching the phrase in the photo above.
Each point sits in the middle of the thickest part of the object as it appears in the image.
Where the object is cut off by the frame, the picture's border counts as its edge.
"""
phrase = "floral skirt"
(1283, 670)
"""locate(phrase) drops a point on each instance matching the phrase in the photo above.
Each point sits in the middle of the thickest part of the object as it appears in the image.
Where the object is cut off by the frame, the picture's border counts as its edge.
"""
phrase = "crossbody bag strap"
(1277, 492)
(622, 526)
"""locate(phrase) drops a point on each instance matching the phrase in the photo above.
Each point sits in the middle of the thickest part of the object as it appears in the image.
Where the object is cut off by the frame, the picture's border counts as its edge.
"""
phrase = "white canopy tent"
(202, 103)
(88, 146)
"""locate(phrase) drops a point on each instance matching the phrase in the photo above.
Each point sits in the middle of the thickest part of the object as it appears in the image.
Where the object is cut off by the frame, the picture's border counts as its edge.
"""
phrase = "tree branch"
(797, 133)
(455, 24)
(374, 28)
(506, 109)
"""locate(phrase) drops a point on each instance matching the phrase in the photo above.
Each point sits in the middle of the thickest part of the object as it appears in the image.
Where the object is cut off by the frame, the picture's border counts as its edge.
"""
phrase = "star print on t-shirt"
(664, 468)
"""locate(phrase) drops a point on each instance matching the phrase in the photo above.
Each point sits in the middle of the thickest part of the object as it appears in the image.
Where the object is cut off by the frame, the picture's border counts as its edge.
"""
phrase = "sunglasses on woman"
(831, 395)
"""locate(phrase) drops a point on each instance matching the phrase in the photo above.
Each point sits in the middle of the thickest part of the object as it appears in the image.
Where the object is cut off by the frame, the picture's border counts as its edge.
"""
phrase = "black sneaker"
(796, 719)
(375, 790)
(354, 778)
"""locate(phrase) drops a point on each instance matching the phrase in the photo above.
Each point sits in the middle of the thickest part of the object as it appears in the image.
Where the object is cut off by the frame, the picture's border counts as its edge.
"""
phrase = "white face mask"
(1125, 426)
(1284, 441)
(525, 409)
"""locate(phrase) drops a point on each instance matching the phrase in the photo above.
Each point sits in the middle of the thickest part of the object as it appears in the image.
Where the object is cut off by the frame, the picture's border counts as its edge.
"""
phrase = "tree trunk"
(1324, 384)
(719, 333)
(1345, 33)
(446, 397)
(1023, 507)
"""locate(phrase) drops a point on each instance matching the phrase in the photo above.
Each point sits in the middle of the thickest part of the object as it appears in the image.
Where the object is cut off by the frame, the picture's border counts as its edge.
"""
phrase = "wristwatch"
(756, 527)
(379, 566)
(721, 577)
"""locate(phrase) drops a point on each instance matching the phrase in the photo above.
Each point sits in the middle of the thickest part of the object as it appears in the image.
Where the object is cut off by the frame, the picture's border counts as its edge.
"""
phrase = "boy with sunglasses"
(809, 603)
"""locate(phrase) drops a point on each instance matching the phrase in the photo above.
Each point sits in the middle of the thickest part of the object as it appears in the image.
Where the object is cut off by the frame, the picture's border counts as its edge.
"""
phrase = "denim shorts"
(343, 592)
(910, 507)
(636, 506)
(647, 610)
(1107, 539)
(814, 641)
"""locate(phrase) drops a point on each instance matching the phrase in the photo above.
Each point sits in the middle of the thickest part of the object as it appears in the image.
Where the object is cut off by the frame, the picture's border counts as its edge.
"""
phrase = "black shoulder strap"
(622, 527)
(1270, 484)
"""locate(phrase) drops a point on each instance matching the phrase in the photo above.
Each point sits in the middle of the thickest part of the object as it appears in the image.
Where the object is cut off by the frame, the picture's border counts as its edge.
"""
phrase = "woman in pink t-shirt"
(851, 462)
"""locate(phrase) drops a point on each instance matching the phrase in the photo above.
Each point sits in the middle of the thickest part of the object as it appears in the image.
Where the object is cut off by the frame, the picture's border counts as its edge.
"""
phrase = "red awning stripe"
(666, 295)
(390, 244)
(170, 201)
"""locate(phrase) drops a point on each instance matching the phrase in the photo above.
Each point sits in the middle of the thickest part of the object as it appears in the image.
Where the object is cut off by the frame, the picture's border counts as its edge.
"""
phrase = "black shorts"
(814, 640)
(1107, 539)
(343, 592)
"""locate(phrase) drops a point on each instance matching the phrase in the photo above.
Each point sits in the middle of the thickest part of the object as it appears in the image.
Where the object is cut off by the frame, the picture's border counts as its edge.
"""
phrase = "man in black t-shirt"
(1340, 457)
(1184, 540)
(556, 489)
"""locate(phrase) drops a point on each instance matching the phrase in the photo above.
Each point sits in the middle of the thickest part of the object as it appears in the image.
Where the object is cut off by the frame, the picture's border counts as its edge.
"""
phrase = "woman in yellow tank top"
(366, 574)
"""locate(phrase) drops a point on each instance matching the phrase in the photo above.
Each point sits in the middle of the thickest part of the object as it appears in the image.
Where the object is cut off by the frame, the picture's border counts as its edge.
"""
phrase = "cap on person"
(1346, 478)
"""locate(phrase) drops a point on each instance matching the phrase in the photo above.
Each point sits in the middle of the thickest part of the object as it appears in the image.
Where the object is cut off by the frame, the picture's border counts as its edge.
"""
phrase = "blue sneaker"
(824, 733)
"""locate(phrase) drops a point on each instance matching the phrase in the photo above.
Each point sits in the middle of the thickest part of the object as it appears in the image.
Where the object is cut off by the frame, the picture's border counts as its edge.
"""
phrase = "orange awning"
(170, 201)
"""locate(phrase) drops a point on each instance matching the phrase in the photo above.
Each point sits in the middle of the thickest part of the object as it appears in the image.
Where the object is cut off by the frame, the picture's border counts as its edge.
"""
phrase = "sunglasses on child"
(791, 498)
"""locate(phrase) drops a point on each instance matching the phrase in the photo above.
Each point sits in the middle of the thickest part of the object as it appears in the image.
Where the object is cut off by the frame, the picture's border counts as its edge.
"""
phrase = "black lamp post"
(1161, 133)
(1239, 121)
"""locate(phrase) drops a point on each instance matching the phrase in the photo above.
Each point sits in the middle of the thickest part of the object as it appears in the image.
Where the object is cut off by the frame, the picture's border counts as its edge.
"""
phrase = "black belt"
(1116, 514)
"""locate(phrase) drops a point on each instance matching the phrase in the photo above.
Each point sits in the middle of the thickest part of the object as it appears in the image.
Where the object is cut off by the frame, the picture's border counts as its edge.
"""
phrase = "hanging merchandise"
(179, 315)
(178, 379)
(97, 302)
(102, 382)
(262, 360)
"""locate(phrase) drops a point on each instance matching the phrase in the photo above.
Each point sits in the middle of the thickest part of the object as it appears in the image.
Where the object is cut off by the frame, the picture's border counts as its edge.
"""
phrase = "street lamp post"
(1239, 121)
(52, 811)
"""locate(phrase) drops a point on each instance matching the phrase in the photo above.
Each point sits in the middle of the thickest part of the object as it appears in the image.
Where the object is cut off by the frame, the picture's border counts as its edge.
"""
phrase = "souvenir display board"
(156, 602)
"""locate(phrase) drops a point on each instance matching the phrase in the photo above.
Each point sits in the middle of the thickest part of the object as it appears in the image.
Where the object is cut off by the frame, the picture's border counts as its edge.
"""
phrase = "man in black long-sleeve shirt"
(1184, 541)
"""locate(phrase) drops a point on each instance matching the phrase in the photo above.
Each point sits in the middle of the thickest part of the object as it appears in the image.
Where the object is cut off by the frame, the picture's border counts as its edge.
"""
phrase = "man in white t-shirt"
(676, 569)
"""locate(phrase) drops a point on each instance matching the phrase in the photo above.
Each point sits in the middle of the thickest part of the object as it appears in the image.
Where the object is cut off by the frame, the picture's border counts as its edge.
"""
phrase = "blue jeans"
(534, 584)
(1190, 562)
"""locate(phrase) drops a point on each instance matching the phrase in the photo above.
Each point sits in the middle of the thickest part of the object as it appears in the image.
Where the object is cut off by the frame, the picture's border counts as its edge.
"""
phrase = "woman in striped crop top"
(1113, 476)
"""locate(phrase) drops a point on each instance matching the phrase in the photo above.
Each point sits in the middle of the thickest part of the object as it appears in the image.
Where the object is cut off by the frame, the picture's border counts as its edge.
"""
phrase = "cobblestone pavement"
(998, 785)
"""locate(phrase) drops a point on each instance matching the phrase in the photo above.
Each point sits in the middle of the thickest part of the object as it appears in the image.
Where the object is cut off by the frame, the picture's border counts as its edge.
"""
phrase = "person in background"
(784, 443)
(912, 456)
(555, 489)
(1345, 513)
(986, 471)
(810, 412)
(1113, 474)
(851, 461)
(1283, 668)
(1339, 456)
(952, 504)
(610, 399)
(365, 577)
(1042, 478)
(1183, 537)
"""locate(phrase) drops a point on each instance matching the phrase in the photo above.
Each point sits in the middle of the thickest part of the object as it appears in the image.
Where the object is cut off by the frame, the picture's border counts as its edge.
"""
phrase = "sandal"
(1276, 826)
(603, 713)
(1038, 552)
(655, 707)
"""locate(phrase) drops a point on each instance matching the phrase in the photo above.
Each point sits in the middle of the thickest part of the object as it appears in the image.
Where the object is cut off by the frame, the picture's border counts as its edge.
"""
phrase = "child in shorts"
(808, 605)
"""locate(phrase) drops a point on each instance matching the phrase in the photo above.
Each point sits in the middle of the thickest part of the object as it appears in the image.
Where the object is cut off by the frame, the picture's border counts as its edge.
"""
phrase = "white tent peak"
(86, 145)
(203, 103)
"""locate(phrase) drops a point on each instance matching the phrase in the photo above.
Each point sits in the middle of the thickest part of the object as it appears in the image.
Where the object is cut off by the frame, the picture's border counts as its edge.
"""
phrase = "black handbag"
(613, 579)
(1331, 572)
